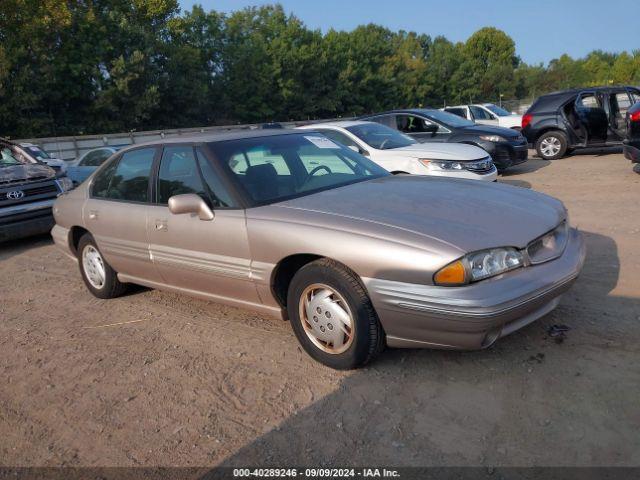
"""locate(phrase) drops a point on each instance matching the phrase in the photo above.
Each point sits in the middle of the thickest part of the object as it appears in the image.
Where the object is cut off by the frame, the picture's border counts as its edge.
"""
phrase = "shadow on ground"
(523, 402)
(16, 247)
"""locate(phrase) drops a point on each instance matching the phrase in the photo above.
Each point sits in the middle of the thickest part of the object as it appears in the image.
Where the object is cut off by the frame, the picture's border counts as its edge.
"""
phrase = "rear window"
(128, 179)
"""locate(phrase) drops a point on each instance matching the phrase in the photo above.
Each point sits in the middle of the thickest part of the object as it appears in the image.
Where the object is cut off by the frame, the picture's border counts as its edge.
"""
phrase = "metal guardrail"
(70, 148)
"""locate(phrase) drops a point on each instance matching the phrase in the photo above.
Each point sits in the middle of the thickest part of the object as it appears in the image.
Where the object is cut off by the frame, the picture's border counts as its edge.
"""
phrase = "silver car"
(294, 225)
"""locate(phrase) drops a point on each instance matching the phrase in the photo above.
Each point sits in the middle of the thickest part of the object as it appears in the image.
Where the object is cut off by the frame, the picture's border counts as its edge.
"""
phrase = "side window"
(635, 96)
(461, 112)
(217, 192)
(178, 174)
(480, 113)
(410, 124)
(130, 181)
(102, 179)
(243, 161)
(95, 158)
(339, 137)
(588, 100)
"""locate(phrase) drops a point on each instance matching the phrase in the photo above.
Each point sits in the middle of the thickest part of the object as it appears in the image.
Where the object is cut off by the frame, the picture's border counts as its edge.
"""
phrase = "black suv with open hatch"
(560, 122)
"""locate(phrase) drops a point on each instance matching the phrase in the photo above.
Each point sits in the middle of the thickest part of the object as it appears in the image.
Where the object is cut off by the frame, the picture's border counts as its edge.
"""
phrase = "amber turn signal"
(452, 274)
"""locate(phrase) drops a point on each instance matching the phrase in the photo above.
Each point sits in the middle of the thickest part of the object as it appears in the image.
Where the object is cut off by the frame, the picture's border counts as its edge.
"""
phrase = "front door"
(116, 213)
(593, 121)
(206, 256)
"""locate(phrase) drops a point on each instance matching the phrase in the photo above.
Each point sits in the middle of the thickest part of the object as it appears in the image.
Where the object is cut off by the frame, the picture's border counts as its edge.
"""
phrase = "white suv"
(487, 114)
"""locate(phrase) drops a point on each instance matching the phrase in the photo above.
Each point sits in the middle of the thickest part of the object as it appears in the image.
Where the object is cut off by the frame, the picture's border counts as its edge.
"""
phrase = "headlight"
(478, 266)
(441, 164)
(492, 138)
(64, 183)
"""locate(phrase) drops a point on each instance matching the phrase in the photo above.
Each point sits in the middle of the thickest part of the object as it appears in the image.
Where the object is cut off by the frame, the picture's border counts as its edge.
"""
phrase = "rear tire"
(321, 296)
(552, 145)
(101, 280)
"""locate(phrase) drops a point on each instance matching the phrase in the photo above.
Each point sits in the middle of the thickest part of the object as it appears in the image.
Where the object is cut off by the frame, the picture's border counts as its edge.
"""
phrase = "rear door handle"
(93, 214)
(161, 225)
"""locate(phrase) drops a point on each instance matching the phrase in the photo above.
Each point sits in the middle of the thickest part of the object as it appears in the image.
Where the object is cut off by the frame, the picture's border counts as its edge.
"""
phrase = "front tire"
(552, 145)
(332, 316)
(101, 280)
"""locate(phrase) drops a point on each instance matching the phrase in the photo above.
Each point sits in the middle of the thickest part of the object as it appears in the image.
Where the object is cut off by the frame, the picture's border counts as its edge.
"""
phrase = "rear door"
(116, 213)
(593, 120)
(619, 104)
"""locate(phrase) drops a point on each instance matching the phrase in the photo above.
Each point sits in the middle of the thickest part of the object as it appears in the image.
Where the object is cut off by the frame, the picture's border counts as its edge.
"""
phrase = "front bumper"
(506, 154)
(476, 315)
(27, 219)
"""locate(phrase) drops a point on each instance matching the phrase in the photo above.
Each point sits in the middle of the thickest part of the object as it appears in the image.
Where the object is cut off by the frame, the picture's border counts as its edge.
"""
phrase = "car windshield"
(274, 168)
(448, 119)
(37, 153)
(501, 112)
(9, 158)
(381, 137)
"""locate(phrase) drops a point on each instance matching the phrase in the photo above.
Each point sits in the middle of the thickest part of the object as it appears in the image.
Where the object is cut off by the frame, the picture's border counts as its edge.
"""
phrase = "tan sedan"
(293, 225)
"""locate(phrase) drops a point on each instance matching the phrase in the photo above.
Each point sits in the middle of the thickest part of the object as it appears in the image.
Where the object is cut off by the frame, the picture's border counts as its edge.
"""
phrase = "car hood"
(25, 172)
(465, 214)
(439, 151)
(507, 133)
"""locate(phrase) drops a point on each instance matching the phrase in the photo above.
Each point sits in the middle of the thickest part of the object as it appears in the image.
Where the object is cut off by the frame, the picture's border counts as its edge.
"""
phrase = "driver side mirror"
(430, 127)
(190, 203)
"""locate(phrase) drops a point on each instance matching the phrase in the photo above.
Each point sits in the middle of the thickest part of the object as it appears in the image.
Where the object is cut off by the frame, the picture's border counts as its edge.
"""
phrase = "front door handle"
(161, 225)
(93, 214)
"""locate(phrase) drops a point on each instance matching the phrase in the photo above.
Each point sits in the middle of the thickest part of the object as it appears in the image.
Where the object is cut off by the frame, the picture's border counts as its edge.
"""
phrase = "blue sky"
(542, 29)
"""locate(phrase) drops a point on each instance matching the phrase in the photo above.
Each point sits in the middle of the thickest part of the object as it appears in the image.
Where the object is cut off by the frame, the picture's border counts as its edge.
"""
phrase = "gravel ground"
(160, 379)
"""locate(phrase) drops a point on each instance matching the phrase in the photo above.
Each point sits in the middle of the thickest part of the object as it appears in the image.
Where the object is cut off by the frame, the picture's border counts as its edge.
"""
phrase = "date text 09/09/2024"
(315, 473)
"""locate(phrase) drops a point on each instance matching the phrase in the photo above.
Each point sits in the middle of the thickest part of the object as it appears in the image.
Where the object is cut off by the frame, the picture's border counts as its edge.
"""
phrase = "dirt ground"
(183, 382)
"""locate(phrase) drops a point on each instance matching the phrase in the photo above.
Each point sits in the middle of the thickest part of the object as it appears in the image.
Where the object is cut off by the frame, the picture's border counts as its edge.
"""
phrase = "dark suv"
(28, 189)
(560, 122)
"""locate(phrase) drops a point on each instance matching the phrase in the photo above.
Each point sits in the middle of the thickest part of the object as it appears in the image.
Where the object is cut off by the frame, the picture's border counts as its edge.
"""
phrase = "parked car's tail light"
(478, 266)
(526, 119)
(635, 116)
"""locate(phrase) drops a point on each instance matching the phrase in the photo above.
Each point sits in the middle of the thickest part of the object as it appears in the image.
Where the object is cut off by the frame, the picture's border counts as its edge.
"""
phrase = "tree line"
(100, 66)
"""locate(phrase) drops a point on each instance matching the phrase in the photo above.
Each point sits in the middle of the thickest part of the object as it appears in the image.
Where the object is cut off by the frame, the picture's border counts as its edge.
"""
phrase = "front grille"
(480, 166)
(27, 193)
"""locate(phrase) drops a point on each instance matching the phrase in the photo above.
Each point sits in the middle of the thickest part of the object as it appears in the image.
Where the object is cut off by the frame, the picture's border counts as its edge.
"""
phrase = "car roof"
(340, 123)
(215, 137)
(417, 111)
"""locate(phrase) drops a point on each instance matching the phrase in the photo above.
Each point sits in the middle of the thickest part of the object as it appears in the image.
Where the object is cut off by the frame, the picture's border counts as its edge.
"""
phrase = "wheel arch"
(285, 270)
(551, 128)
(75, 234)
